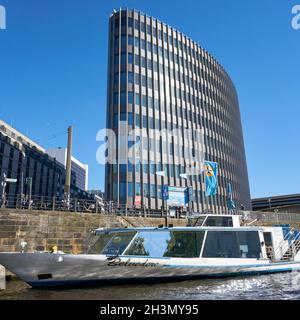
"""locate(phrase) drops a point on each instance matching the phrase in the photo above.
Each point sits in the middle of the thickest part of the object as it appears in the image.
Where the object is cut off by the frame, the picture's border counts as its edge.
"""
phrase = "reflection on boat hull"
(54, 270)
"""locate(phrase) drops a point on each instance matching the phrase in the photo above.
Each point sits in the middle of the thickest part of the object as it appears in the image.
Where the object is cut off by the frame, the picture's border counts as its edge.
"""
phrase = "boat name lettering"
(119, 262)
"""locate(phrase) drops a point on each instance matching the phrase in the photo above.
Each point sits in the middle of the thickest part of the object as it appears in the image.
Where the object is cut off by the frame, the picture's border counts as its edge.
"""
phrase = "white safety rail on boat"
(286, 249)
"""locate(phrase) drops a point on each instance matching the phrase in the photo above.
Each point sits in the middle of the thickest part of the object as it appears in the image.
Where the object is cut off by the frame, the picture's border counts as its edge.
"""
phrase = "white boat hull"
(45, 270)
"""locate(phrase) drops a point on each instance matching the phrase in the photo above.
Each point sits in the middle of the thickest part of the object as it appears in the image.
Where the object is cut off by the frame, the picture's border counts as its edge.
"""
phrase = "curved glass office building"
(159, 80)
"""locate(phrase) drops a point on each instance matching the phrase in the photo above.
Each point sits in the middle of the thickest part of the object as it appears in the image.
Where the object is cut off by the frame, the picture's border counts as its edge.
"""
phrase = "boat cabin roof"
(156, 229)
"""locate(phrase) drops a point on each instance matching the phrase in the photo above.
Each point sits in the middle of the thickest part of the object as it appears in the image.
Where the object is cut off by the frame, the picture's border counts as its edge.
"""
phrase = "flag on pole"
(211, 178)
(230, 201)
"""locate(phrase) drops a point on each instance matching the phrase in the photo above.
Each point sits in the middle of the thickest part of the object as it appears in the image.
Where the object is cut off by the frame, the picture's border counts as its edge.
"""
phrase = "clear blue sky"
(53, 66)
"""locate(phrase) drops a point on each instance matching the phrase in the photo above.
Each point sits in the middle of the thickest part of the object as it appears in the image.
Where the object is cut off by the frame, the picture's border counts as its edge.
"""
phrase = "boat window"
(185, 244)
(249, 244)
(218, 222)
(196, 221)
(98, 242)
(268, 239)
(232, 244)
(111, 244)
(166, 244)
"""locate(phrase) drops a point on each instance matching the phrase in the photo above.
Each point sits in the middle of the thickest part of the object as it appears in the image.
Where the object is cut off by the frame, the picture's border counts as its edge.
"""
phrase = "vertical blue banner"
(211, 178)
(165, 192)
(230, 201)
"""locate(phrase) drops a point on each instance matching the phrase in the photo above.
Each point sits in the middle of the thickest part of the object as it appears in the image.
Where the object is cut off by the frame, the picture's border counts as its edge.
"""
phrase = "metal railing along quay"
(100, 206)
(97, 206)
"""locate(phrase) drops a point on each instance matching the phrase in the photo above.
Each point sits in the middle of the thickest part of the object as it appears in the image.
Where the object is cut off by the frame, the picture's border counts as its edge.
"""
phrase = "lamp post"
(29, 183)
(164, 197)
(4, 183)
(22, 180)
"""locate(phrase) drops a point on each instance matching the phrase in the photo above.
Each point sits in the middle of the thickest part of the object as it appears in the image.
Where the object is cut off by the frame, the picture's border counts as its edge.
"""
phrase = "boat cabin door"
(269, 245)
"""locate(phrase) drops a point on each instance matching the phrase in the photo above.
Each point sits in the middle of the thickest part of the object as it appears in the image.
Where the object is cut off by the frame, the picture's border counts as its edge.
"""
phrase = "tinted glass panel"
(268, 239)
(231, 244)
(130, 22)
(218, 222)
(166, 244)
(249, 244)
(137, 42)
(184, 244)
(118, 243)
(130, 58)
(123, 98)
(130, 97)
(123, 41)
(98, 242)
(123, 78)
(130, 77)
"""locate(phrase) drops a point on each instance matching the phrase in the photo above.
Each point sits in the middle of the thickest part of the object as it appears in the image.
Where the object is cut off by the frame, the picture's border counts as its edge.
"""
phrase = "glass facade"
(159, 79)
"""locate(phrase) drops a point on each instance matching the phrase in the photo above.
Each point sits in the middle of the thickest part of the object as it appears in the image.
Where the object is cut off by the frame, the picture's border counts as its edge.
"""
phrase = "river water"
(267, 287)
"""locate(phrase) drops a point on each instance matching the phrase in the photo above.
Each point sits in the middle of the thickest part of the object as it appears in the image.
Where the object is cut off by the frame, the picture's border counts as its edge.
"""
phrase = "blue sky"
(53, 66)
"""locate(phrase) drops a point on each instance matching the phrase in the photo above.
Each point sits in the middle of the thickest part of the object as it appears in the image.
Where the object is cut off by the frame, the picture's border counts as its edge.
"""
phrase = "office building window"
(137, 120)
(130, 118)
(137, 25)
(123, 78)
(152, 191)
(138, 189)
(144, 100)
(123, 99)
(123, 59)
(143, 44)
(146, 190)
(130, 97)
(130, 77)
(130, 22)
(116, 98)
(130, 58)
(130, 189)
(137, 99)
(123, 190)
(144, 81)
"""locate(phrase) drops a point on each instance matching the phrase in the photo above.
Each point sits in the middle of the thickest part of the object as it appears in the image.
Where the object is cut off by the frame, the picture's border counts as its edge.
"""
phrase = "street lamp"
(3, 184)
(22, 180)
(163, 174)
(29, 183)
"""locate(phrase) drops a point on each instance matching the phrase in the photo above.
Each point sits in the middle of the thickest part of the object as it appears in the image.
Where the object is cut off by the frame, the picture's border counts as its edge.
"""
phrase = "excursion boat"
(210, 246)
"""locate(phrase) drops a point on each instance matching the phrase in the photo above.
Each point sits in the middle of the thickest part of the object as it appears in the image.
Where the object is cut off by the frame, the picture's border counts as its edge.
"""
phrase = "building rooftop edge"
(20, 135)
(115, 11)
(75, 160)
(277, 197)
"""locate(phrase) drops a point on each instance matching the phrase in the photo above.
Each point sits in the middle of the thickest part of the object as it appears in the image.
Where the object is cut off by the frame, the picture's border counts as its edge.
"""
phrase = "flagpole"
(205, 198)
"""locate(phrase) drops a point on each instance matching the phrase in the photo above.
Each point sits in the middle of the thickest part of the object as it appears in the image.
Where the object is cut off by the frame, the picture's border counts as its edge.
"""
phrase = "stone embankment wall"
(68, 231)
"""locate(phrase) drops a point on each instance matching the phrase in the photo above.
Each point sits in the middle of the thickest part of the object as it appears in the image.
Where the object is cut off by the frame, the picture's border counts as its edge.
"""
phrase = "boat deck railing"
(288, 248)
